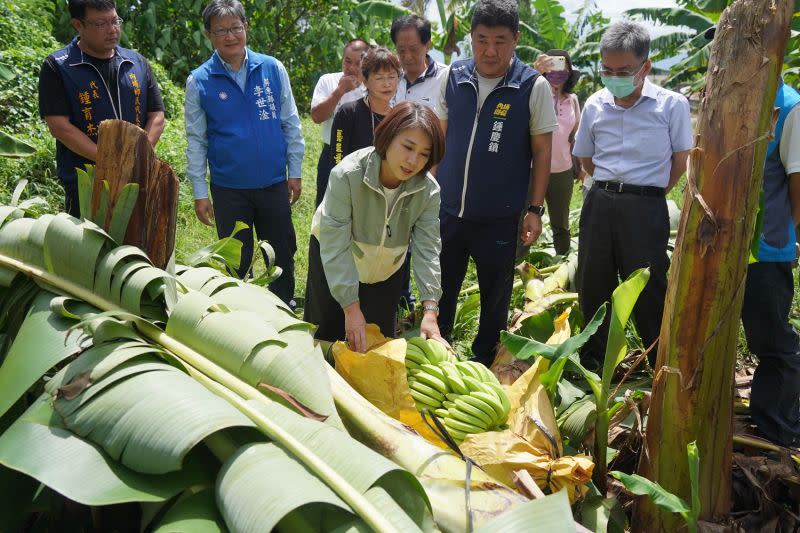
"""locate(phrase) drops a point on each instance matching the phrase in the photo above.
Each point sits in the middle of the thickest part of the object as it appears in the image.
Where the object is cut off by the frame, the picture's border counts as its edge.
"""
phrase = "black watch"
(536, 209)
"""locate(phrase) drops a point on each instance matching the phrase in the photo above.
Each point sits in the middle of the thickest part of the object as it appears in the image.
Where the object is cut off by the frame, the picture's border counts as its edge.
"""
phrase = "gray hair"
(222, 8)
(626, 36)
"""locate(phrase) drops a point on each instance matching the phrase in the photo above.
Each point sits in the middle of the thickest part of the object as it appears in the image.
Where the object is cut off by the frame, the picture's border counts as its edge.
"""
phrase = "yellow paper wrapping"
(379, 375)
(532, 441)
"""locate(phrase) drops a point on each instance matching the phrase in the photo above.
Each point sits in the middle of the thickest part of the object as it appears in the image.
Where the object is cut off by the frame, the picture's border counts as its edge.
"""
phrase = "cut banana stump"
(464, 394)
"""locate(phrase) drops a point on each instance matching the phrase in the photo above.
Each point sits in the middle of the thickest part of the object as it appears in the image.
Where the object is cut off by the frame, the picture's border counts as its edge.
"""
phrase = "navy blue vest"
(90, 98)
(777, 242)
(246, 147)
(499, 158)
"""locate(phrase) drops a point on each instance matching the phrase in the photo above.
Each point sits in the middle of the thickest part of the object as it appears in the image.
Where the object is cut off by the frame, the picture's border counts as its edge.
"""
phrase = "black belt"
(641, 190)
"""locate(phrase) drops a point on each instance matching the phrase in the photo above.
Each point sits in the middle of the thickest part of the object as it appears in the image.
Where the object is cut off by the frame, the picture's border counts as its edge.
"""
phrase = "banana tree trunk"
(692, 391)
(124, 155)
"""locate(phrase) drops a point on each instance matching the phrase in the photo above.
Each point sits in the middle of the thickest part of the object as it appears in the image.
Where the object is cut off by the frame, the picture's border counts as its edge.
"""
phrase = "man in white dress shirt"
(422, 76)
(332, 90)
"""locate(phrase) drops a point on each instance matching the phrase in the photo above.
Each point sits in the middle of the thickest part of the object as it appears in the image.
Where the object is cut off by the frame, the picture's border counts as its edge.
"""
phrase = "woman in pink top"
(562, 78)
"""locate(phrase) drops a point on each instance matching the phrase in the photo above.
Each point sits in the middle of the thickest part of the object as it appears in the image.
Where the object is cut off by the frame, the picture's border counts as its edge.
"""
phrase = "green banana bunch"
(428, 385)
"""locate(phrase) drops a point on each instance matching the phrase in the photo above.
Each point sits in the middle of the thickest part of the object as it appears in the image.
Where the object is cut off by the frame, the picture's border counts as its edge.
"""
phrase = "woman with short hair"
(380, 201)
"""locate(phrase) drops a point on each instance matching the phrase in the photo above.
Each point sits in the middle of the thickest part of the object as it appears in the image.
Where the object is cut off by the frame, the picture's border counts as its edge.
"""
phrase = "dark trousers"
(268, 211)
(377, 301)
(620, 233)
(493, 247)
(324, 167)
(775, 393)
(558, 197)
(71, 199)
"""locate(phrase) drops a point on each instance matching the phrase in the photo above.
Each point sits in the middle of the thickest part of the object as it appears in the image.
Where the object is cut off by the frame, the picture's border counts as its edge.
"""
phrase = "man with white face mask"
(633, 139)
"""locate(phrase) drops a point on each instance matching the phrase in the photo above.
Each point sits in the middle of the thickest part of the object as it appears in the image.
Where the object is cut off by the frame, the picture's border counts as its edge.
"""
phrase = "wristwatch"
(536, 209)
(431, 307)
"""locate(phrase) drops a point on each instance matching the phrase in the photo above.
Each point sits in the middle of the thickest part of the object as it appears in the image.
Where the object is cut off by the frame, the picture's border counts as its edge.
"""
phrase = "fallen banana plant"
(157, 403)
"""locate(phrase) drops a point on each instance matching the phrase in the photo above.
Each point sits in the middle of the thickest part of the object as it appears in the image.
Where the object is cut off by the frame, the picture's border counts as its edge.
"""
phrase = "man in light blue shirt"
(242, 124)
(633, 139)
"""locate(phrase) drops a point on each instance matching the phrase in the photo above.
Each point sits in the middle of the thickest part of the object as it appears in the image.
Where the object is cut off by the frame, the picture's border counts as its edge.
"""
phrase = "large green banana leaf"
(125, 419)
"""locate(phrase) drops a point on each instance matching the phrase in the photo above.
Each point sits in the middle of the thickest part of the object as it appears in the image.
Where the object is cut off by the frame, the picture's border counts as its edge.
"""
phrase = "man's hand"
(347, 84)
(531, 228)
(355, 327)
(295, 186)
(204, 211)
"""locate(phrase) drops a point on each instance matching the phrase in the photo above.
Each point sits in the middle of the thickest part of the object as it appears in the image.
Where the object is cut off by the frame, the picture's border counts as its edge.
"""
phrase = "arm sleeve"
(52, 94)
(790, 141)
(290, 125)
(584, 139)
(441, 105)
(542, 109)
(196, 141)
(335, 240)
(322, 90)
(426, 244)
(680, 125)
(154, 100)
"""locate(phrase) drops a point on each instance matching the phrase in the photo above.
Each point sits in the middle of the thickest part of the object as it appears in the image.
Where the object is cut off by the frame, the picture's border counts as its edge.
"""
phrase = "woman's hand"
(355, 327)
(542, 63)
(429, 328)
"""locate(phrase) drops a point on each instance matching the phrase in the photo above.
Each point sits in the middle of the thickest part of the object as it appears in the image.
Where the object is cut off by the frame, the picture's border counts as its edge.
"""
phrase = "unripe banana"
(458, 436)
(468, 370)
(458, 425)
(503, 396)
(492, 401)
(434, 370)
(463, 416)
(473, 384)
(425, 348)
(438, 350)
(441, 413)
(480, 369)
(432, 381)
(480, 405)
(428, 391)
(447, 404)
(416, 357)
(463, 405)
(454, 378)
(411, 365)
(425, 400)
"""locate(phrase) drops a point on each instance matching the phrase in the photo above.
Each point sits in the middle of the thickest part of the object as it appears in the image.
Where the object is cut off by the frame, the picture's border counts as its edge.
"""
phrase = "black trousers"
(378, 301)
(493, 248)
(71, 199)
(775, 393)
(268, 211)
(324, 167)
(620, 233)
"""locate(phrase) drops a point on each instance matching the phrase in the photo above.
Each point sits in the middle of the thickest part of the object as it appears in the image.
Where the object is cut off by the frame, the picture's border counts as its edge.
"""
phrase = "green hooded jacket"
(362, 240)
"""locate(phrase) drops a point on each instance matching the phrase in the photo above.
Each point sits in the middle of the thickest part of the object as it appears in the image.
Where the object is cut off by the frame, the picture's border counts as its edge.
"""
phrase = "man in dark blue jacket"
(90, 80)
(498, 116)
(242, 124)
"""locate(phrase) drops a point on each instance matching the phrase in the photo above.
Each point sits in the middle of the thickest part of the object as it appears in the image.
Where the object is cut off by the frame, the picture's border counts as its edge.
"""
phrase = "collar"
(430, 71)
(219, 66)
(76, 55)
(511, 78)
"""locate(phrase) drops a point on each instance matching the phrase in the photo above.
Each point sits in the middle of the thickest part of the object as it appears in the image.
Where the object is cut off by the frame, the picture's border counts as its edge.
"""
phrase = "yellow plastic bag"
(532, 441)
(379, 375)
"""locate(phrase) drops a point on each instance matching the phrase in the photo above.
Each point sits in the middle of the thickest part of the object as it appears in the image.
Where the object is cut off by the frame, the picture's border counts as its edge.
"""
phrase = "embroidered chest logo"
(86, 100)
(496, 134)
(137, 103)
(223, 95)
(265, 101)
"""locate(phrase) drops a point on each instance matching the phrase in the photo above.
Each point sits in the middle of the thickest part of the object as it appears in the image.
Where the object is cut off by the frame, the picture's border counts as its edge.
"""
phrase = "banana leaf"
(551, 513)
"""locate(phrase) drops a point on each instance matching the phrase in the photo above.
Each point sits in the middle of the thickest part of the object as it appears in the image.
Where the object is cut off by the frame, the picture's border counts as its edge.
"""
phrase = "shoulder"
(431, 185)
(348, 109)
(672, 99)
(329, 79)
(353, 165)
(595, 101)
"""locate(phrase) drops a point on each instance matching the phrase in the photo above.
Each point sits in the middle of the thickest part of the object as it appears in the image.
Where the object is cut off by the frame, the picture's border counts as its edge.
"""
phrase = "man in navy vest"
(498, 117)
(91, 80)
(242, 124)
(769, 288)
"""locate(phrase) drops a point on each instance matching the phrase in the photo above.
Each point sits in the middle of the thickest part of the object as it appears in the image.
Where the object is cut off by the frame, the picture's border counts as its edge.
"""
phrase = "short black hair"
(77, 8)
(422, 25)
(493, 13)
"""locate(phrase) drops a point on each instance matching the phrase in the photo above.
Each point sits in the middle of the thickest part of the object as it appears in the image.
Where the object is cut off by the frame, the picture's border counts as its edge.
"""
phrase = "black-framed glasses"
(222, 32)
(618, 74)
(103, 24)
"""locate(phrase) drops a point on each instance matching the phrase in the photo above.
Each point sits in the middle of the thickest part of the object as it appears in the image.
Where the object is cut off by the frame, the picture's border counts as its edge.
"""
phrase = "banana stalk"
(442, 474)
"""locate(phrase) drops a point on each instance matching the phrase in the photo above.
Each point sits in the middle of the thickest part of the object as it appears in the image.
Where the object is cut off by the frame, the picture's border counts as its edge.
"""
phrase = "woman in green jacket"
(378, 198)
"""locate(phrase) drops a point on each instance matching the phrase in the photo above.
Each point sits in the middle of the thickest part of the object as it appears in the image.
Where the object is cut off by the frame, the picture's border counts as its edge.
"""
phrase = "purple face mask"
(556, 77)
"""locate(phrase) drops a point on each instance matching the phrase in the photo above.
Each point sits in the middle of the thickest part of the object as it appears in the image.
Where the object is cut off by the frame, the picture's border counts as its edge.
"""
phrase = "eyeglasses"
(103, 24)
(619, 74)
(236, 30)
